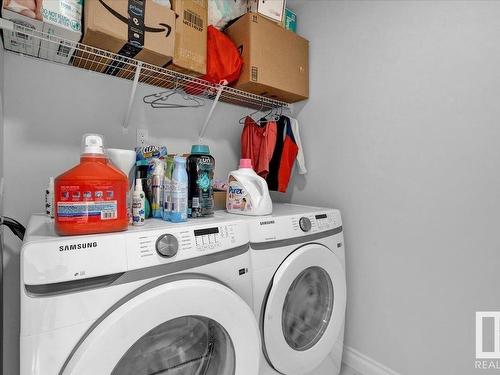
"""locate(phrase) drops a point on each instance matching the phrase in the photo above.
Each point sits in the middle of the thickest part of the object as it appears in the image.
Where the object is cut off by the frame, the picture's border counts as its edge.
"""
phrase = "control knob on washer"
(167, 245)
(305, 224)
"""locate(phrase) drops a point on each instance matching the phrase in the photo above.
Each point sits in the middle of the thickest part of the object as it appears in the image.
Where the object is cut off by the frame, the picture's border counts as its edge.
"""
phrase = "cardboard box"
(190, 52)
(63, 19)
(275, 60)
(272, 9)
(290, 20)
(219, 200)
(148, 37)
(30, 18)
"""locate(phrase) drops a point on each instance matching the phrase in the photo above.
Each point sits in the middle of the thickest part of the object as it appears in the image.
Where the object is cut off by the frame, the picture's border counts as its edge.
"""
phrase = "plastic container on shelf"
(200, 166)
(92, 196)
(179, 191)
(247, 193)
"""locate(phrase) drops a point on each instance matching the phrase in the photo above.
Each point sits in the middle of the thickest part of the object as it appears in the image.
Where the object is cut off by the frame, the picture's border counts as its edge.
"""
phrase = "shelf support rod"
(216, 100)
(131, 99)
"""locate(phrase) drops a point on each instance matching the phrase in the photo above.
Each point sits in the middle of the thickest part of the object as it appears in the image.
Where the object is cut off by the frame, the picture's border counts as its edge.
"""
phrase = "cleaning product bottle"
(49, 198)
(201, 166)
(157, 188)
(247, 193)
(141, 172)
(179, 191)
(91, 197)
(138, 204)
(167, 187)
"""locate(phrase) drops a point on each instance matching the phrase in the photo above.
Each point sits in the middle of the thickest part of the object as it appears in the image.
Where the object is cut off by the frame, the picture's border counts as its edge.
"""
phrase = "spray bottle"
(138, 204)
(157, 188)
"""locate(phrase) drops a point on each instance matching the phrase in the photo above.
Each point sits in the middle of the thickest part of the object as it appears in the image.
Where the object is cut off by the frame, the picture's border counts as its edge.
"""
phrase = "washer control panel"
(214, 237)
(170, 243)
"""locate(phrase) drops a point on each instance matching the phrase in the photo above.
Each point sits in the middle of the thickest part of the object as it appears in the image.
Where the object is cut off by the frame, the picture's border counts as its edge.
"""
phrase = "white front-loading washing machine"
(299, 284)
(162, 299)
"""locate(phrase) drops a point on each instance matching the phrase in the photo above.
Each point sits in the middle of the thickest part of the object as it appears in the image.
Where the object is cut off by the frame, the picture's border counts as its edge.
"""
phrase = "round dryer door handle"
(167, 245)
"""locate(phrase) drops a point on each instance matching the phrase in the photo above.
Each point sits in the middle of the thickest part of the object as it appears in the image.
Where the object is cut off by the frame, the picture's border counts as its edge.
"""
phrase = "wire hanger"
(242, 120)
(160, 99)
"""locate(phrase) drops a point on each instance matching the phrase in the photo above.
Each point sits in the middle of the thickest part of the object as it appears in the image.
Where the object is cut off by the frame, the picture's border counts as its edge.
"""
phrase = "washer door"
(305, 310)
(187, 326)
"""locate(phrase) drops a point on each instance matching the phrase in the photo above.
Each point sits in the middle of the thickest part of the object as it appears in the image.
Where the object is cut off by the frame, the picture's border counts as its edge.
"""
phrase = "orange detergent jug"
(91, 197)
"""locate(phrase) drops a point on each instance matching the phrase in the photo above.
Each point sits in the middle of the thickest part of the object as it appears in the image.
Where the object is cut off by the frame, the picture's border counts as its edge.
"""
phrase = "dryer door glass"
(307, 308)
(189, 345)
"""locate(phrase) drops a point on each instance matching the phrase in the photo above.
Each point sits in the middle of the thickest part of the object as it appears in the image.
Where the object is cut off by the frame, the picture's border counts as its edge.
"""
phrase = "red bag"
(223, 59)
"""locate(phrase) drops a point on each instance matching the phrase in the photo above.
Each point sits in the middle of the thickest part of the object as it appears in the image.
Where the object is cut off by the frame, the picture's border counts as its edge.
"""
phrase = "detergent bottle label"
(237, 197)
(86, 203)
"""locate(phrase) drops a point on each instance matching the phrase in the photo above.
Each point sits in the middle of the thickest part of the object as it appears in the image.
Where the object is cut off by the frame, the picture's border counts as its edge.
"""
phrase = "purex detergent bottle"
(91, 197)
(247, 193)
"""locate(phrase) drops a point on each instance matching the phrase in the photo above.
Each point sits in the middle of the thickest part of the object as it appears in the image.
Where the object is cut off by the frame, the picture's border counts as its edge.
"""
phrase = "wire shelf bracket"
(132, 97)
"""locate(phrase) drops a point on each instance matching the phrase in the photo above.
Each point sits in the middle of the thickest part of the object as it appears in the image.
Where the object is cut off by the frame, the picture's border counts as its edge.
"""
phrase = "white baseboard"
(362, 365)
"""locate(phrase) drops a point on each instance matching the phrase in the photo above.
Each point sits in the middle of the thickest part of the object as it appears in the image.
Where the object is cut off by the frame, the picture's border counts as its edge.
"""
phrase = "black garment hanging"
(274, 165)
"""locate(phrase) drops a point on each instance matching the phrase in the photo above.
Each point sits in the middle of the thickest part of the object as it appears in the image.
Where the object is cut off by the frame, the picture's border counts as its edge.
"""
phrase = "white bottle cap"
(138, 184)
(93, 144)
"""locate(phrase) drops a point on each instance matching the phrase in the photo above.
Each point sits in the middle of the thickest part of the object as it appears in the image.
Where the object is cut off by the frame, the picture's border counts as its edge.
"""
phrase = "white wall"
(1, 196)
(47, 109)
(402, 133)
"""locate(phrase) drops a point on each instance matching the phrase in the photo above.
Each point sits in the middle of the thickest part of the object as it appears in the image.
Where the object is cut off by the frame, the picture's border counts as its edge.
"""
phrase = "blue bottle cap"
(200, 150)
(180, 159)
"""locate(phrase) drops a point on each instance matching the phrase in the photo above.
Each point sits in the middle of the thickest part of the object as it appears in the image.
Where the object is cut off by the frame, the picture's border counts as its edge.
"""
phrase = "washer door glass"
(188, 345)
(307, 308)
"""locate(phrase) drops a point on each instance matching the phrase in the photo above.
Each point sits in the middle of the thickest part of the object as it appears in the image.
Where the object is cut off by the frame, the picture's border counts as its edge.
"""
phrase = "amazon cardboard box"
(275, 60)
(190, 52)
(140, 29)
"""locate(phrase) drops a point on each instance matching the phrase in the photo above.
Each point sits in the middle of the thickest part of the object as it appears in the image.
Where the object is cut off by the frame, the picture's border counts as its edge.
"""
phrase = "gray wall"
(402, 133)
(1, 199)
(47, 109)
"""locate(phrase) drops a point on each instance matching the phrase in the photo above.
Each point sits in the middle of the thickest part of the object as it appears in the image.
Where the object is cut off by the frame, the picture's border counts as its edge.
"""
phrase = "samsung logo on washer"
(267, 222)
(78, 246)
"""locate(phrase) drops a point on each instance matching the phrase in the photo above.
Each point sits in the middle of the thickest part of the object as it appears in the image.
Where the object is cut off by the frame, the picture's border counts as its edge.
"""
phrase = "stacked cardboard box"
(142, 30)
(190, 52)
(276, 61)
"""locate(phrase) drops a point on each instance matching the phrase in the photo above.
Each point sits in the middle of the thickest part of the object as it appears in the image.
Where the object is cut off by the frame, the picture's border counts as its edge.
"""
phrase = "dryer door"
(171, 326)
(305, 310)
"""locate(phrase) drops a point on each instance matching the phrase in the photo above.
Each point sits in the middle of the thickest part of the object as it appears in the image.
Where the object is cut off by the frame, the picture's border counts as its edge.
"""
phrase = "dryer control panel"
(297, 224)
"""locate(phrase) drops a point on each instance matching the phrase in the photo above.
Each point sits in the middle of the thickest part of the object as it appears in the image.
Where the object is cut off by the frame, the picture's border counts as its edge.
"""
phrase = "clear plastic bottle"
(179, 191)
(167, 187)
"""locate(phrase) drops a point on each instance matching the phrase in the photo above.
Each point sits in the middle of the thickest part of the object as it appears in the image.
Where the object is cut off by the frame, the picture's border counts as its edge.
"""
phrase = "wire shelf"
(82, 56)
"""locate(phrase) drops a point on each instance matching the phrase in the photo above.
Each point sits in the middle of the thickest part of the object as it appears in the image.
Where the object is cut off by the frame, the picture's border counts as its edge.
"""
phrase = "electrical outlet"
(142, 137)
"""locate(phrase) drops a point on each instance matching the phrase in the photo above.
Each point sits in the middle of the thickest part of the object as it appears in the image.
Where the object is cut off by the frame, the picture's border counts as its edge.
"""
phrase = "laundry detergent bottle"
(91, 197)
(247, 193)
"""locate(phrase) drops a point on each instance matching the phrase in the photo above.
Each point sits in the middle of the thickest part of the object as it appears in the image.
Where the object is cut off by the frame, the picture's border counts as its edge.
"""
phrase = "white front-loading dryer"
(163, 299)
(299, 284)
